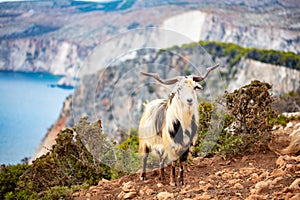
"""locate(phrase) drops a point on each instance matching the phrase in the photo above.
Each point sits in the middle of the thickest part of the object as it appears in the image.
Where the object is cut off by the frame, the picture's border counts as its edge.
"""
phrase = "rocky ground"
(261, 175)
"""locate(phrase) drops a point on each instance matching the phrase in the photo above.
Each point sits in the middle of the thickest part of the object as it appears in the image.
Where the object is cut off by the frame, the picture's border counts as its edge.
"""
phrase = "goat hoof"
(142, 178)
(173, 184)
(182, 183)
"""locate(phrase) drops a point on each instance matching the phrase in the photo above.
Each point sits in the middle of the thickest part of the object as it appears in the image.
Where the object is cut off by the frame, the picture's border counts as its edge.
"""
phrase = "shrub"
(9, 177)
(250, 106)
(249, 110)
(68, 163)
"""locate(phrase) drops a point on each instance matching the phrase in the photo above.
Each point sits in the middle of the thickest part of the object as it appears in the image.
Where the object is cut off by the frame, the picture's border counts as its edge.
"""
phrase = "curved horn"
(165, 82)
(200, 78)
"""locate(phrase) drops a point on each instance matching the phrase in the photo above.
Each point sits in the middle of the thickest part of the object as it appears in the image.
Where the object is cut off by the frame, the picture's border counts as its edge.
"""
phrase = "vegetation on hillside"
(235, 53)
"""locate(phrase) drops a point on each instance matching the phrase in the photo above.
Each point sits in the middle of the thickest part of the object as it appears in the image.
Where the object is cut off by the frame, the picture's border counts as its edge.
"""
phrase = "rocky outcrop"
(232, 27)
(283, 79)
(41, 55)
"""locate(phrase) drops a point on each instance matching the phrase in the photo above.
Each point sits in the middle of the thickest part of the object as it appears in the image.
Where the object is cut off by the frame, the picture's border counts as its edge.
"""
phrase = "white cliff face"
(190, 24)
(200, 25)
(281, 78)
(40, 55)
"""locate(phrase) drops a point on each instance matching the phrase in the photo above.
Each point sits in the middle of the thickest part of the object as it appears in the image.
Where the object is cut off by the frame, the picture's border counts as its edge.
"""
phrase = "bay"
(28, 107)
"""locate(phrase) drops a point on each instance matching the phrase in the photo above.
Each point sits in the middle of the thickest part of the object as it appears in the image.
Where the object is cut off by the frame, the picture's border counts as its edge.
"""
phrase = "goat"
(168, 127)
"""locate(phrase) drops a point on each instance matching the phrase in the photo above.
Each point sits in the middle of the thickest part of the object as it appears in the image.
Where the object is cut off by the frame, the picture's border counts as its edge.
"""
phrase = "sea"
(29, 105)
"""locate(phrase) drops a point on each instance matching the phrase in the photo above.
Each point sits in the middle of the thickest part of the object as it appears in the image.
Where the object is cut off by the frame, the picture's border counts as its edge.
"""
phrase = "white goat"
(168, 127)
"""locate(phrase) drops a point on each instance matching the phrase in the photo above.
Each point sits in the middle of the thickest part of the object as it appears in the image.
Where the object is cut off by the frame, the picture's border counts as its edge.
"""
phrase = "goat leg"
(172, 175)
(144, 162)
(162, 171)
(181, 169)
(182, 159)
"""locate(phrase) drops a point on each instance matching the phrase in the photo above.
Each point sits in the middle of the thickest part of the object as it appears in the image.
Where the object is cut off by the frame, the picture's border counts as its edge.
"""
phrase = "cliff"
(41, 55)
(59, 36)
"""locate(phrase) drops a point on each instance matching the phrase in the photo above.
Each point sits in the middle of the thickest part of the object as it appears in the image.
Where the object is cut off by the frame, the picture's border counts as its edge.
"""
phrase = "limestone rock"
(165, 195)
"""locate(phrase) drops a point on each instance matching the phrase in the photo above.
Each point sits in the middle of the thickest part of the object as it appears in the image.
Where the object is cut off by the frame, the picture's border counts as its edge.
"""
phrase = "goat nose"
(189, 101)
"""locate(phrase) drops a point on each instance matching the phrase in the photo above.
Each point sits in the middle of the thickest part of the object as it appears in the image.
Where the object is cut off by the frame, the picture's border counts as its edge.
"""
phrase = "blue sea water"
(28, 107)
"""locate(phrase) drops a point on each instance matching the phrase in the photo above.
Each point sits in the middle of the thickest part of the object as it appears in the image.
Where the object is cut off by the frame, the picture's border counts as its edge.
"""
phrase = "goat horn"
(165, 82)
(200, 78)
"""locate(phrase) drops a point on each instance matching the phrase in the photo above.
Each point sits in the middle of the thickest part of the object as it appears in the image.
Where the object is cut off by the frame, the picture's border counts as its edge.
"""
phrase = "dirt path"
(262, 175)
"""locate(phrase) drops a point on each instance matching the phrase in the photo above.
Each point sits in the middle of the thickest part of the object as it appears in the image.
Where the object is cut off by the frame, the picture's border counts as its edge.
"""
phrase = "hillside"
(259, 175)
(262, 175)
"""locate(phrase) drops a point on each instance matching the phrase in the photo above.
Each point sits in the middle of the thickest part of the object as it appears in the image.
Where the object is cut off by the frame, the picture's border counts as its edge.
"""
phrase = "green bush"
(9, 177)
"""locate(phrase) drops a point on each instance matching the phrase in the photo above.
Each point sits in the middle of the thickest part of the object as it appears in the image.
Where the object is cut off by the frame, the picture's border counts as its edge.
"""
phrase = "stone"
(121, 195)
(278, 172)
(295, 197)
(238, 186)
(146, 191)
(129, 195)
(203, 196)
(289, 125)
(233, 181)
(150, 191)
(280, 161)
(92, 187)
(256, 197)
(76, 194)
(165, 195)
(245, 171)
(96, 190)
(226, 176)
(295, 185)
(128, 186)
(207, 187)
(159, 185)
(103, 181)
(261, 186)
(254, 178)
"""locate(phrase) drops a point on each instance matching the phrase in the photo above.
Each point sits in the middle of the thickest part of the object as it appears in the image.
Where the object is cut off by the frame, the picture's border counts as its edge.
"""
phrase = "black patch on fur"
(194, 127)
(177, 133)
(147, 149)
(188, 133)
(184, 155)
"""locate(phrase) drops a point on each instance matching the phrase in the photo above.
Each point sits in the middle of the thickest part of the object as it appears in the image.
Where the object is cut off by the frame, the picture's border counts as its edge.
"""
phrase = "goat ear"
(198, 86)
